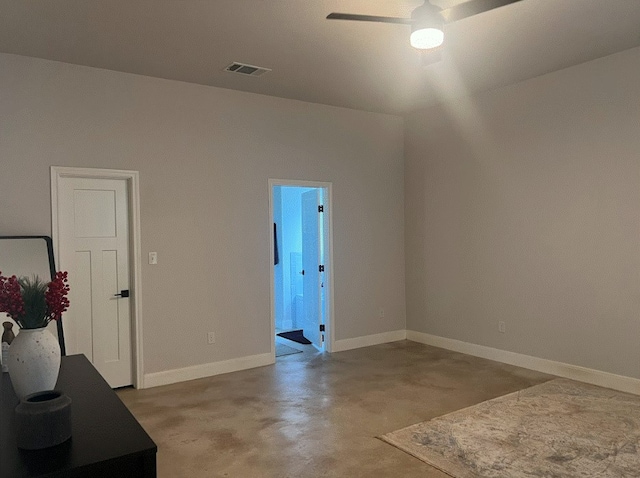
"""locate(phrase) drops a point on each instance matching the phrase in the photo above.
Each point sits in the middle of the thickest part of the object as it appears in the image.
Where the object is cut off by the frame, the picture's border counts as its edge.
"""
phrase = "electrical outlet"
(211, 338)
(381, 313)
(502, 327)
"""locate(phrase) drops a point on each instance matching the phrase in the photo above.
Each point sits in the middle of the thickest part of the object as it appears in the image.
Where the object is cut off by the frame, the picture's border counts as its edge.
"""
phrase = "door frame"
(328, 241)
(135, 259)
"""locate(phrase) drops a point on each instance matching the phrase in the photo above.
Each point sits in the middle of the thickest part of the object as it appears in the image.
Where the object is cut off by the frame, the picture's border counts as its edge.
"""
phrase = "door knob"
(123, 294)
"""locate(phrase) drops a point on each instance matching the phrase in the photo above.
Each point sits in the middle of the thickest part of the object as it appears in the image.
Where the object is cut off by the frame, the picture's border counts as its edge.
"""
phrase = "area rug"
(282, 350)
(560, 428)
(296, 336)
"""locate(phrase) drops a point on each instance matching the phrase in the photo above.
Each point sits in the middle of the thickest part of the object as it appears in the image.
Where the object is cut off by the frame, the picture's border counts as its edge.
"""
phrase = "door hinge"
(320, 208)
(321, 268)
(321, 327)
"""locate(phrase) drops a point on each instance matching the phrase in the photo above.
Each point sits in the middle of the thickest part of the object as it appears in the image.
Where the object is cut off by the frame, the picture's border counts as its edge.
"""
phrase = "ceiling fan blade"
(473, 7)
(368, 18)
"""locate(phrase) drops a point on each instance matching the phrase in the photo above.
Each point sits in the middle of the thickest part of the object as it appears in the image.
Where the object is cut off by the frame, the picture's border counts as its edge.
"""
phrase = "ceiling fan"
(427, 20)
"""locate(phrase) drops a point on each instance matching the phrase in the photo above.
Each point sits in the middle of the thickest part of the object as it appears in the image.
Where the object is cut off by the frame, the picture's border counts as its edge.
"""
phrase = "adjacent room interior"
(480, 231)
(301, 286)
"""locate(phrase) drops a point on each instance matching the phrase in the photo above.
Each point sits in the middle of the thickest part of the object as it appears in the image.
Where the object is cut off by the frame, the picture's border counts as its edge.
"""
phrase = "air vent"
(247, 70)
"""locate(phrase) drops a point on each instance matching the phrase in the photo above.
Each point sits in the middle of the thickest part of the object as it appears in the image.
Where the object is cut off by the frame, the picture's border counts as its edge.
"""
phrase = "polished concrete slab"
(316, 415)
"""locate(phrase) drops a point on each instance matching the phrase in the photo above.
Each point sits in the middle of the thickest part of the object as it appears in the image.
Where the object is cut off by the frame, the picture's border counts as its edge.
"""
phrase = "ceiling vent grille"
(247, 70)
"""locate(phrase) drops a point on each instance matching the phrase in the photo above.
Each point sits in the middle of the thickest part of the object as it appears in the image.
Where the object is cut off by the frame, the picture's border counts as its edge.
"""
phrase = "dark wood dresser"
(106, 440)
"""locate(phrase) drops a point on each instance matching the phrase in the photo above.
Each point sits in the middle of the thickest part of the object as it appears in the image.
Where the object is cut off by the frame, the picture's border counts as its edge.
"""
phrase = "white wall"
(523, 205)
(205, 156)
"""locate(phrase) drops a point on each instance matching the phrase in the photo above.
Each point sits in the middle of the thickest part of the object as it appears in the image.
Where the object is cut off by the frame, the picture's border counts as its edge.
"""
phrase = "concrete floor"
(315, 415)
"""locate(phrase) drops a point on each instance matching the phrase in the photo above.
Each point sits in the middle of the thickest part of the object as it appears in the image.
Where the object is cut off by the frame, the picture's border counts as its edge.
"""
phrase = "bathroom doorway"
(301, 276)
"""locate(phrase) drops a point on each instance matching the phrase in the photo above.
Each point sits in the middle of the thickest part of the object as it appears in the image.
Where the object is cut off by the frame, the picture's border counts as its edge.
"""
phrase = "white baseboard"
(216, 368)
(206, 370)
(560, 369)
(368, 340)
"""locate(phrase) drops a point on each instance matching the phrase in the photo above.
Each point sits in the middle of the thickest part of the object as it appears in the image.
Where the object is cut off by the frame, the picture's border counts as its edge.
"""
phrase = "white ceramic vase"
(34, 361)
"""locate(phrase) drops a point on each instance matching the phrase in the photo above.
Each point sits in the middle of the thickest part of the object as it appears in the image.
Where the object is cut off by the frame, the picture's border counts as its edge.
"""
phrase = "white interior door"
(311, 261)
(93, 234)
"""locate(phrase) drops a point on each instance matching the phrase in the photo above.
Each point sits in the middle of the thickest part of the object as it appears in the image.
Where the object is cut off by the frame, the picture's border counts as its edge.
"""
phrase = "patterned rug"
(560, 428)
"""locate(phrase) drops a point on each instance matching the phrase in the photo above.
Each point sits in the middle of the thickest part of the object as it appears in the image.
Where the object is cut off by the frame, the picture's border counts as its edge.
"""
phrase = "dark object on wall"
(28, 256)
(296, 336)
(276, 256)
(43, 420)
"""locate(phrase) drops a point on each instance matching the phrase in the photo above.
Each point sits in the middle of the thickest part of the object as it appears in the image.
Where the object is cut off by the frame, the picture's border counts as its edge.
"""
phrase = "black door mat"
(296, 336)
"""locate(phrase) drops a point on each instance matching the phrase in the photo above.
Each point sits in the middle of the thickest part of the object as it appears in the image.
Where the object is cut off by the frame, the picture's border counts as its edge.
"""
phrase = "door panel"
(311, 261)
(94, 247)
(109, 329)
(79, 333)
(95, 213)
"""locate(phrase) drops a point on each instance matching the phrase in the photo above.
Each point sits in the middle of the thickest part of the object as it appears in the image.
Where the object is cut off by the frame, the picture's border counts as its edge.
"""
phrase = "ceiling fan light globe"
(427, 38)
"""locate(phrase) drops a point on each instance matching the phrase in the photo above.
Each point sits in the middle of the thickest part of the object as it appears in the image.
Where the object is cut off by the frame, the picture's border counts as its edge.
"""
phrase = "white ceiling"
(367, 66)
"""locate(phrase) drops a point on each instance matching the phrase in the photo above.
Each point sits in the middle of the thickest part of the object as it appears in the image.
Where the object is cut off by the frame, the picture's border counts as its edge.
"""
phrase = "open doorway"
(301, 266)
